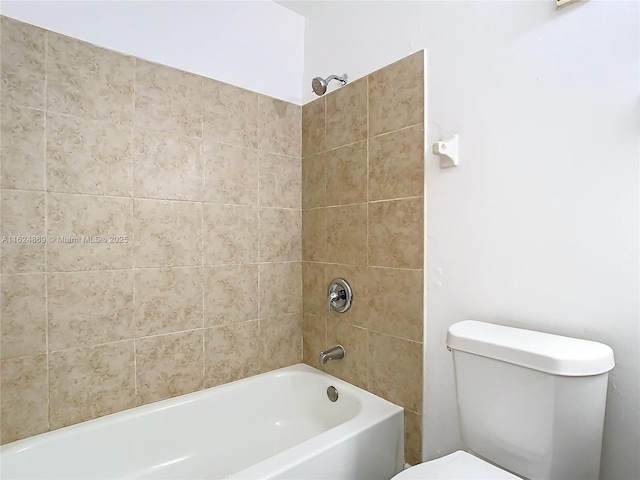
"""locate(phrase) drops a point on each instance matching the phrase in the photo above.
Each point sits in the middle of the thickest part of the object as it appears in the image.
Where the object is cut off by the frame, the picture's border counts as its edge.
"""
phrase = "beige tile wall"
(362, 219)
(203, 178)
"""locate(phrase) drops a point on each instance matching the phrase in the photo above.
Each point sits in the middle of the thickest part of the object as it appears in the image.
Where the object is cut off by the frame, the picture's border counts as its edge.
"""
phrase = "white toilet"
(529, 403)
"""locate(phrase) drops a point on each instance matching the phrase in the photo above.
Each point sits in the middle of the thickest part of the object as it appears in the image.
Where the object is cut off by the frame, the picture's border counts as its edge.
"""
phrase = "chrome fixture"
(339, 295)
(334, 353)
(332, 393)
(319, 85)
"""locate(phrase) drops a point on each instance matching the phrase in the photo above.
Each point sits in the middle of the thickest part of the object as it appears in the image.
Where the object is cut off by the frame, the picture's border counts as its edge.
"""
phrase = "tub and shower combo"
(285, 424)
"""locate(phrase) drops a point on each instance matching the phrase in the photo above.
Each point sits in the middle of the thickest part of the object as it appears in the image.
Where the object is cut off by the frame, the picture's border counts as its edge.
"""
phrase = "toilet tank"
(531, 402)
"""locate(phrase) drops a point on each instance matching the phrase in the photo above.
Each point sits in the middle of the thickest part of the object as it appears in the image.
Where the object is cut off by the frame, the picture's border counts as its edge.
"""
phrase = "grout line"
(203, 177)
(46, 226)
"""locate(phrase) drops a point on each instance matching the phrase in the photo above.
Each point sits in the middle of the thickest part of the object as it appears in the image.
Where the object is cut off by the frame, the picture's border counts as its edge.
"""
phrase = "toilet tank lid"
(545, 352)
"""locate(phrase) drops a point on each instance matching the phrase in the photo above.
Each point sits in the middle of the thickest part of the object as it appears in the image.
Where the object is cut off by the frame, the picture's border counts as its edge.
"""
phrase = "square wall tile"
(280, 126)
(280, 181)
(396, 164)
(314, 339)
(400, 314)
(167, 99)
(22, 148)
(230, 114)
(167, 165)
(231, 174)
(169, 365)
(87, 156)
(347, 114)
(314, 234)
(313, 127)
(347, 234)
(314, 288)
(280, 235)
(353, 368)
(22, 63)
(23, 315)
(230, 294)
(313, 181)
(280, 341)
(346, 174)
(167, 233)
(168, 300)
(396, 95)
(24, 409)
(231, 353)
(22, 222)
(89, 308)
(89, 232)
(86, 383)
(412, 437)
(280, 289)
(396, 230)
(399, 377)
(88, 81)
(230, 234)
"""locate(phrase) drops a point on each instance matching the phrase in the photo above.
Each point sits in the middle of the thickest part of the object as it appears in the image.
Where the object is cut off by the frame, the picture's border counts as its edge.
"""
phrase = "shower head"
(319, 85)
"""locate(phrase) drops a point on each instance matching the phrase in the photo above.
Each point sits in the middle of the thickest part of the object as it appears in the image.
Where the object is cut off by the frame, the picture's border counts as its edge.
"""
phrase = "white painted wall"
(256, 45)
(538, 226)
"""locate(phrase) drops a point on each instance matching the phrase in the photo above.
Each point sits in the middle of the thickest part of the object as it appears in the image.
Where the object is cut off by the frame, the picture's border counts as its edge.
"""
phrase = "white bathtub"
(280, 424)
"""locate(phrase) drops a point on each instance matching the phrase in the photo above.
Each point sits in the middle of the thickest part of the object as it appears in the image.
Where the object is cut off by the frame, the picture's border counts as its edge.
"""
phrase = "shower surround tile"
(22, 64)
(87, 81)
(88, 232)
(230, 234)
(230, 114)
(346, 114)
(280, 235)
(24, 409)
(362, 220)
(396, 232)
(396, 95)
(399, 377)
(231, 353)
(313, 181)
(167, 300)
(314, 235)
(313, 127)
(231, 174)
(399, 314)
(90, 382)
(396, 164)
(280, 289)
(280, 342)
(314, 339)
(22, 148)
(354, 367)
(230, 294)
(167, 233)
(280, 181)
(280, 126)
(89, 308)
(167, 99)
(87, 156)
(168, 365)
(22, 221)
(23, 315)
(347, 234)
(167, 166)
(346, 180)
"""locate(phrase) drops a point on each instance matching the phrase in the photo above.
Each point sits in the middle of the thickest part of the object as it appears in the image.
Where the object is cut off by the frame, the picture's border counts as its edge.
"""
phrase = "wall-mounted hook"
(447, 150)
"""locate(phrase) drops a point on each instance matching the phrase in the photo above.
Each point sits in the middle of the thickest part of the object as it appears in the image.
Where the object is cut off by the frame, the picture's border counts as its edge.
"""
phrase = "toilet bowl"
(458, 465)
(523, 398)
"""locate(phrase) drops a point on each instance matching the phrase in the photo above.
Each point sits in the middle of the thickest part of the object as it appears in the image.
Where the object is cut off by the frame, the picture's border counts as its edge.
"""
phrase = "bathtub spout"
(334, 353)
